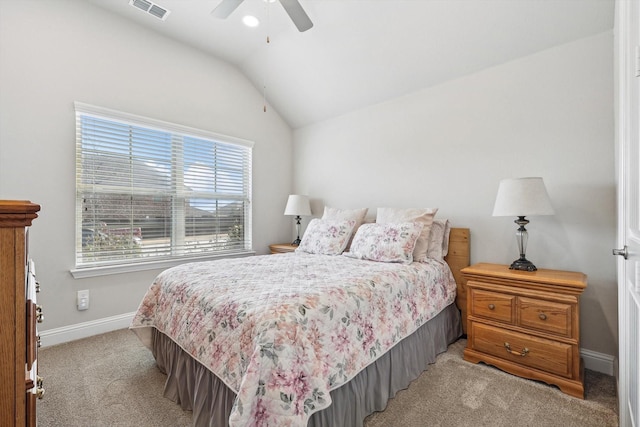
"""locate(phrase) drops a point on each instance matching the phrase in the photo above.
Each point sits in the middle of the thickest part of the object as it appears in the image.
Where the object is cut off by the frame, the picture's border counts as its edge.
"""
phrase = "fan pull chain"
(264, 82)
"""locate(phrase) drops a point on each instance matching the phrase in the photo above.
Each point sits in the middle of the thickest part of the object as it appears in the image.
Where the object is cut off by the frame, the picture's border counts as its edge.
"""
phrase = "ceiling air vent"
(151, 8)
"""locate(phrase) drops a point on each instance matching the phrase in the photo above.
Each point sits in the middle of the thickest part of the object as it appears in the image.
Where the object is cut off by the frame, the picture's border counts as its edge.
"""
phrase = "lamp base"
(522, 264)
(297, 241)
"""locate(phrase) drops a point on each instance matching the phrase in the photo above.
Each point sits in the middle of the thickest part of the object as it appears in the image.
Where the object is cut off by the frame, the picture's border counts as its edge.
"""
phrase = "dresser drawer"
(545, 316)
(492, 305)
(534, 352)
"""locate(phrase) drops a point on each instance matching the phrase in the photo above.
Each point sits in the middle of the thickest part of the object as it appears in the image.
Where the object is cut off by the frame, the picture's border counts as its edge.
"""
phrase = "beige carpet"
(111, 380)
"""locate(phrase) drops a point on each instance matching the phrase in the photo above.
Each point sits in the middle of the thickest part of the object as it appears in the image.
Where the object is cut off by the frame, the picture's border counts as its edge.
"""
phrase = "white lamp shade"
(298, 205)
(522, 197)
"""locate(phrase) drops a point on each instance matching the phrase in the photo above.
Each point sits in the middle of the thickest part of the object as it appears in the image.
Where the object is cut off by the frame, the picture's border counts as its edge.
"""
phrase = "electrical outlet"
(82, 299)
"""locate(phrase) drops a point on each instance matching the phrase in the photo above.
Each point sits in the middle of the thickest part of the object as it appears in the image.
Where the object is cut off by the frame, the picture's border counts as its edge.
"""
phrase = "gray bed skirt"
(197, 389)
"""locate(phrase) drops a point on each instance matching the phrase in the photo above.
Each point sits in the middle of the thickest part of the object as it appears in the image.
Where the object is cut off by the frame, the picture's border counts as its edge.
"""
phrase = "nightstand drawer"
(492, 305)
(525, 350)
(545, 316)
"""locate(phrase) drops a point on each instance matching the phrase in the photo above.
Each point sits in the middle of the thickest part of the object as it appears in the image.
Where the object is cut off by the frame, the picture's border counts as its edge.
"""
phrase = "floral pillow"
(388, 242)
(326, 236)
(357, 215)
(423, 216)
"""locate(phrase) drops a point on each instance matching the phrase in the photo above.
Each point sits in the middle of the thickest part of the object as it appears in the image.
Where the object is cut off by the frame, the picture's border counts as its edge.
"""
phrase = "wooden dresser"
(526, 323)
(19, 383)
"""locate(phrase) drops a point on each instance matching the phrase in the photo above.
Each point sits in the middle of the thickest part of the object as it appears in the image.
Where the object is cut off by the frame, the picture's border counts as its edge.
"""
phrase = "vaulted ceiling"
(362, 52)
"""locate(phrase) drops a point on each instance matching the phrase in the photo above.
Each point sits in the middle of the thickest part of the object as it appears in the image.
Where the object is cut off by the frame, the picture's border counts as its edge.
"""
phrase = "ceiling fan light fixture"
(250, 21)
(292, 7)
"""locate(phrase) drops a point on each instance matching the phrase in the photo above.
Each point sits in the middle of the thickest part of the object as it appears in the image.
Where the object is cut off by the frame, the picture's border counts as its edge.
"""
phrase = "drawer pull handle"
(521, 353)
(492, 306)
(542, 316)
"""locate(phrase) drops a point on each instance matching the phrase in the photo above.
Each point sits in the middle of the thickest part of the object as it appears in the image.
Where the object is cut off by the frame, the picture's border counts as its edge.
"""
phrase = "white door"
(627, 38)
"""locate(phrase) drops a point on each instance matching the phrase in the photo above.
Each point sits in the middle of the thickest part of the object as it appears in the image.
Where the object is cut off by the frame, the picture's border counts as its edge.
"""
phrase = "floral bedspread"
(283, 330)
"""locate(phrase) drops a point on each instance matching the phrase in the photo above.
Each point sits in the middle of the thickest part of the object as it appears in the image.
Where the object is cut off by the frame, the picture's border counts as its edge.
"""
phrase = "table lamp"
(522, 197)
(299, 206)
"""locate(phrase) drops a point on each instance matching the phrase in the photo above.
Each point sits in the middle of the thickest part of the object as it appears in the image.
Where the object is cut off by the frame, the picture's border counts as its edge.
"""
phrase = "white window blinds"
(148, 190)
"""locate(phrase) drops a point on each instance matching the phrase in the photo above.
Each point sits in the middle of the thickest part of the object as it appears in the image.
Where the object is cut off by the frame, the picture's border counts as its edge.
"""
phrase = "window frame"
(147, 263)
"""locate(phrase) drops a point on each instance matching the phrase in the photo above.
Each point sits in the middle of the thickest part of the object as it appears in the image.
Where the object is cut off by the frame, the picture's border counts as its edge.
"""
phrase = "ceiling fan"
(292, 7)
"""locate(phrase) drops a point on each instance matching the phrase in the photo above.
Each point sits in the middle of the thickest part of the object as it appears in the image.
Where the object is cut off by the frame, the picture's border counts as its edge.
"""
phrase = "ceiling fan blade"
(225, 8)
(297, 14)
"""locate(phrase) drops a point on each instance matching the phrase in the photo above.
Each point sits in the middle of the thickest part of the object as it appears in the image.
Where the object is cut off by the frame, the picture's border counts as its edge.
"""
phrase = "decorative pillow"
(326, 236)
(386, 242)
(439, 239)
(423, 216)
(349, 214)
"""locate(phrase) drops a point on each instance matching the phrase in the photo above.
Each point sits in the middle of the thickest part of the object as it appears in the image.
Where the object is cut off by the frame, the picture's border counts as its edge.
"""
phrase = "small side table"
(526, 323)
(282, 248)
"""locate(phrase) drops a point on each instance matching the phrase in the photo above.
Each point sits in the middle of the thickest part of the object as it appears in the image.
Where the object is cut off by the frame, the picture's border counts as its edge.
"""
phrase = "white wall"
(53, 53)
(549, 115)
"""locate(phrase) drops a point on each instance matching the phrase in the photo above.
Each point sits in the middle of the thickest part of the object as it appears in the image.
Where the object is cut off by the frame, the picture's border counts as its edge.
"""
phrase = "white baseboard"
(83, 330)
(599, 362)
(593, 360)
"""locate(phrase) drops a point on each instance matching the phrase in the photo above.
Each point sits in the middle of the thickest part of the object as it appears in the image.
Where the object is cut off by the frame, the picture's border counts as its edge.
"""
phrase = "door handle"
(622, 252)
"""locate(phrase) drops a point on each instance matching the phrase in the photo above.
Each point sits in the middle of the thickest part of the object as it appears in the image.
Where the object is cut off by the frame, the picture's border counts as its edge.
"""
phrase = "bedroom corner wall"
(53, 53)
(548, 114)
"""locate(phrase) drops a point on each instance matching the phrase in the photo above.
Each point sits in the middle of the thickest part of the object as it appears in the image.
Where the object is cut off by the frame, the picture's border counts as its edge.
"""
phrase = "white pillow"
(423, 216)
(326, 236)
(439, 239)
(389, 242)
(349, 214)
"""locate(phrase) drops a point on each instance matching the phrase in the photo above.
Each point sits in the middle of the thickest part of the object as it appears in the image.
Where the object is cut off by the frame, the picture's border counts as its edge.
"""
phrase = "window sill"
(82, 273)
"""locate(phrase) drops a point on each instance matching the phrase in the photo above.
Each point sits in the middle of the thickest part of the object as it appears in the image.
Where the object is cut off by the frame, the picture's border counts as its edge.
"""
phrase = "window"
(149, 191)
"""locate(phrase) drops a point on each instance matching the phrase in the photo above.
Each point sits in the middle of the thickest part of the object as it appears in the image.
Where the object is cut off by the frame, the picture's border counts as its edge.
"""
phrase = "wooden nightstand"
(281, 248)
(526, 323)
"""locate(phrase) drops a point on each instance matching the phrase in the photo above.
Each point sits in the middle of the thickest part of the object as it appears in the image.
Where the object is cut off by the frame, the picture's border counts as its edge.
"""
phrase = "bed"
(304, 338)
